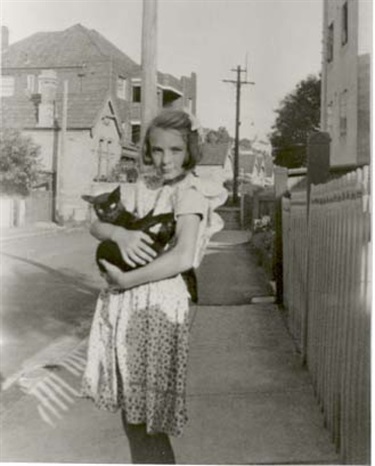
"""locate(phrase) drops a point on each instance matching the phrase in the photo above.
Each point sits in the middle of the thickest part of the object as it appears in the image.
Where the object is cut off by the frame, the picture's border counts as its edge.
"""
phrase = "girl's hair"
(182, 122)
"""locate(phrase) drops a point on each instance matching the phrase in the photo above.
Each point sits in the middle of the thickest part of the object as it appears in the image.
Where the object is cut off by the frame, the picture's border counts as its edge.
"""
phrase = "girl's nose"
(167, 157)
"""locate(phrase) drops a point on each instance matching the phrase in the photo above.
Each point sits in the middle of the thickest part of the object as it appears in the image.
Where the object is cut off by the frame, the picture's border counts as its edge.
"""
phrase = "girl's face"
(168, 152)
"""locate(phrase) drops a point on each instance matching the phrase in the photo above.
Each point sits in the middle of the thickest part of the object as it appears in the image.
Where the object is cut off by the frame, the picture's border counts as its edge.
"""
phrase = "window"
(40, 85)
(344, 24)
(109, 157)
(101, 164)
(330, 35)
(31, 83)
(7, 86)
(136, 93)
(343, 104)
(136, 133)
(121, 88)
(330, 118)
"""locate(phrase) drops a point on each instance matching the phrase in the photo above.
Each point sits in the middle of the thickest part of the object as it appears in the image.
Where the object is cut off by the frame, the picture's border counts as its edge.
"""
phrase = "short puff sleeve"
(201, 197)
(190, 201)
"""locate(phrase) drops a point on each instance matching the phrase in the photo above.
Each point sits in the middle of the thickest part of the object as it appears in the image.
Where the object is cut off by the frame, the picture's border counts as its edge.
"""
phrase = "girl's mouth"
(167, 171)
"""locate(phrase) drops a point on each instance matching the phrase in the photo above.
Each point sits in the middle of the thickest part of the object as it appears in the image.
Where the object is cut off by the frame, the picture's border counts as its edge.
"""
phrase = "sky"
(279, 41)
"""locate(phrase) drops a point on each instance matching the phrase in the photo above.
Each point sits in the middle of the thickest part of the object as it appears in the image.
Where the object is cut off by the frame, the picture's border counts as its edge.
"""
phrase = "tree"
(19, 162)
(221, 135)
(245, 144)
(297, 117)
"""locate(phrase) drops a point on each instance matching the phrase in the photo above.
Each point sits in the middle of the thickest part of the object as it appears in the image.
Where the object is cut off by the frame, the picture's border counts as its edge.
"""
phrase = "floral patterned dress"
(138, 344)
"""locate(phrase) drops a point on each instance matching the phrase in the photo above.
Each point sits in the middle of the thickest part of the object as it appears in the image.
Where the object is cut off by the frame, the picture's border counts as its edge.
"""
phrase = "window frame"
(8, 83)
(30, 83)
(343, 113)
(135, 127)
(137, 88)
(330, 42)
(121, 87)
(330, 117)
(101, 156)
(345, 24)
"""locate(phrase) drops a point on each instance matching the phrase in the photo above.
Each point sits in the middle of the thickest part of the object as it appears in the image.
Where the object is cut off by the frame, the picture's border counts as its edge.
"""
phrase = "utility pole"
(238, 83)
(60, 168)
(149, 104)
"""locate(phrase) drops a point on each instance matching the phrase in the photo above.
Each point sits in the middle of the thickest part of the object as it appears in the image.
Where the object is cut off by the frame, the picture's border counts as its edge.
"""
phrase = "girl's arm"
(133, 244)
(176, 260)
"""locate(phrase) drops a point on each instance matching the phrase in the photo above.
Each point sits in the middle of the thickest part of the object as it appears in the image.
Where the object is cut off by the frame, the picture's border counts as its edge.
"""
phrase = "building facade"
(79, 96)
(345, 105)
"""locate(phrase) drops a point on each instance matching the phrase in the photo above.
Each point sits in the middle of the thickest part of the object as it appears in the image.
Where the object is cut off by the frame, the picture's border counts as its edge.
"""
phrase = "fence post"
(281, 186)
(317, 173)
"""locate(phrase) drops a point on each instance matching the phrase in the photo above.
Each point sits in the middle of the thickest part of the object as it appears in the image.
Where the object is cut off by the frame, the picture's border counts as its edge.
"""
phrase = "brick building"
(103, 106)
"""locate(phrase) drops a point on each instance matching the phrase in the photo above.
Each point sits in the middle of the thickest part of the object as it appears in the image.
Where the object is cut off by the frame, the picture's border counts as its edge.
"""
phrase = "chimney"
(48, 88)
(4, 38)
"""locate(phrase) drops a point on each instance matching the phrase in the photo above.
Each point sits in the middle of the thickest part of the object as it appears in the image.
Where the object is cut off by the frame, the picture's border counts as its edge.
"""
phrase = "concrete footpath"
(249, 399)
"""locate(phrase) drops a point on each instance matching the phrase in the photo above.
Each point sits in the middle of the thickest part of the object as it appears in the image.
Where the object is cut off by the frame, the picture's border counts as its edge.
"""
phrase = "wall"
(341, 76)
(45, 138)
(350, 71)
(80, 166)
(365, 18)
(364, 99)
(208, 171)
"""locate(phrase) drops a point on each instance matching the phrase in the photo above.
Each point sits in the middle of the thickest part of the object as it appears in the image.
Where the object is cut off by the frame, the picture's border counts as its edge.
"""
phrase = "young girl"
(138, 345)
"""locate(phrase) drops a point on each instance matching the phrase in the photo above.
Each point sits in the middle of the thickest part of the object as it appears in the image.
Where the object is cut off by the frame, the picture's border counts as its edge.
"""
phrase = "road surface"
(49, 285)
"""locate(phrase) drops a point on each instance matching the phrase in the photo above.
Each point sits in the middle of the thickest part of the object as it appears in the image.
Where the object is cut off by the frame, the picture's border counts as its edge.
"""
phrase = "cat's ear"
(117, 193)
(89, 199)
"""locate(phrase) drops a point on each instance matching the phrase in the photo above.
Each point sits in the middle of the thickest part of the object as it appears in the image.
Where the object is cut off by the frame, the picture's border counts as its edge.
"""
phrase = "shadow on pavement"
(229, 275)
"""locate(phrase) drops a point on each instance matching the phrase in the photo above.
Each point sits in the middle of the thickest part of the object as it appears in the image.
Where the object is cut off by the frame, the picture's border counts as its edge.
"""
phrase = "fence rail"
(326, 267)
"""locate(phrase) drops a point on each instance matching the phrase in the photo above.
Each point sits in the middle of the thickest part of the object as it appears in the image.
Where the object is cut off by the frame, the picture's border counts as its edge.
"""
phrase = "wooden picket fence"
(327, 293)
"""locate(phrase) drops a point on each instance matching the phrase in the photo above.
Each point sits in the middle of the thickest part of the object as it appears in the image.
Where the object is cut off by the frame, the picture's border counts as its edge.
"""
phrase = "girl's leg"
(146, 448)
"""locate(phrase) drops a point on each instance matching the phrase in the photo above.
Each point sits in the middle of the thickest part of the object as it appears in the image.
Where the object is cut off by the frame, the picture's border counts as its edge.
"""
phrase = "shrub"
(19, 162)
(263, 240)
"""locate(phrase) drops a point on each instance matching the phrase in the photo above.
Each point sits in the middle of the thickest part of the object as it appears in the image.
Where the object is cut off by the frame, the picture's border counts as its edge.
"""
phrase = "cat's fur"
(109, 209)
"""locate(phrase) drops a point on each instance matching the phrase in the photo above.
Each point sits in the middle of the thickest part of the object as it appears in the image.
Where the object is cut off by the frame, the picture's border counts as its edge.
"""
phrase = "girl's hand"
(115, 278)
(134, 246)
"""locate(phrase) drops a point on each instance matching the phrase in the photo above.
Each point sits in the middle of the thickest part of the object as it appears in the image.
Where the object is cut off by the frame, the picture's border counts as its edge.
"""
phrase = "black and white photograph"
(185, 232)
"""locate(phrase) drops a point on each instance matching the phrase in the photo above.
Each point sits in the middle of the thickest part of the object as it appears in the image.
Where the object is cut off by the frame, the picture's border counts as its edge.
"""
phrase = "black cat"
(109, 209)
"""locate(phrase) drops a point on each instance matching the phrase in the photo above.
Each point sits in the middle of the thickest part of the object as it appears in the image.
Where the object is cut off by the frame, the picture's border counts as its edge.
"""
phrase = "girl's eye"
(112, 206)
(100, 210)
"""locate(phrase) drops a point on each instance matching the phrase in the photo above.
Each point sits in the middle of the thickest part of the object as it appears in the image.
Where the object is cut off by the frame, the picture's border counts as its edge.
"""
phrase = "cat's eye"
(100, 210)
(112, 206)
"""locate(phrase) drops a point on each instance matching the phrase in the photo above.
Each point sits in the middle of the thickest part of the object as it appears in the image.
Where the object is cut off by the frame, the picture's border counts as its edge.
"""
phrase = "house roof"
(18, 112)
(249, 159)
(73, 46)
(83, 110)
(82, 113)
(214, 154)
